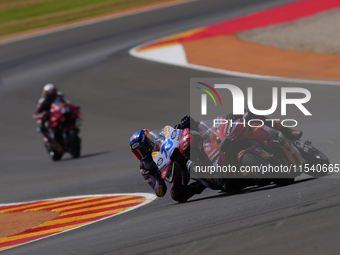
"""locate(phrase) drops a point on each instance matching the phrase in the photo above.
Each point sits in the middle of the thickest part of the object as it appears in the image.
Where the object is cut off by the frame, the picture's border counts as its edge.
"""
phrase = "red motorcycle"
(62, 133)
(261, 155)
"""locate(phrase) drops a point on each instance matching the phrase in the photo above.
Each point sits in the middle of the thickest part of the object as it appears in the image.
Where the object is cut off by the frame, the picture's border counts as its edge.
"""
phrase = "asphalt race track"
(119, 95)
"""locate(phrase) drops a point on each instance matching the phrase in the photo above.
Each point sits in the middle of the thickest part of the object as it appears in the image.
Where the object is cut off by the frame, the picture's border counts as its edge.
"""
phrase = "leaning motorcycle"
(168, 140)
(62, 133)
(261, 147)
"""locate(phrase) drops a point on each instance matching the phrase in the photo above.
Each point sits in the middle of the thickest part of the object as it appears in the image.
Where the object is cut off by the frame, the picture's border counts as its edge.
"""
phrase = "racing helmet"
(144, 142)
(139, 145)
(49, 91)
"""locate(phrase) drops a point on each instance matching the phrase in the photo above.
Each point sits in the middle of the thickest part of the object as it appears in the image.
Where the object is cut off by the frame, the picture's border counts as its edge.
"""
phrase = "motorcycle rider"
(192, 139)
(142, 144)
(42, 114)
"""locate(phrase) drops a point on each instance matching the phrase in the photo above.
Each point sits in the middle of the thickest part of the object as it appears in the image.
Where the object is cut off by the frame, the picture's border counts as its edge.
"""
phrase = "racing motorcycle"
(262, 147)
(62, 133)
(167, 140)
(240, 145)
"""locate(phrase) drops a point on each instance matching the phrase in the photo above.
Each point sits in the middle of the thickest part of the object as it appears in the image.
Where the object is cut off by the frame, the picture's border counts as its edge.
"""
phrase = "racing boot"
(42, 128)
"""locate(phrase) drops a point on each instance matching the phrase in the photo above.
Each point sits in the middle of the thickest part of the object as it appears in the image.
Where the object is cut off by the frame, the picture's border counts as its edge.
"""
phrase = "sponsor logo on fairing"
(160, 161)
(173, 134)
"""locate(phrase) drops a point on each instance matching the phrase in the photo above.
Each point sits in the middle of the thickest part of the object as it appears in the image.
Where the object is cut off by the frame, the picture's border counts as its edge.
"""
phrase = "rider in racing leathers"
(42, 114)
(142, 147)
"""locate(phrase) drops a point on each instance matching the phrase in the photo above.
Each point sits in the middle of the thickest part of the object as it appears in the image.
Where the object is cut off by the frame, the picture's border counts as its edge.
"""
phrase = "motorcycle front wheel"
(317, 163)
(316, 160)
(55, 156)
(53, 153)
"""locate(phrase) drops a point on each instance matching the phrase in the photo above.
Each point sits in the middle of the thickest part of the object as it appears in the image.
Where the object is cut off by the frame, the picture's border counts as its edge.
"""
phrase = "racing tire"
(55, 156)
(316, 159)
(249, 159)
(74, 143)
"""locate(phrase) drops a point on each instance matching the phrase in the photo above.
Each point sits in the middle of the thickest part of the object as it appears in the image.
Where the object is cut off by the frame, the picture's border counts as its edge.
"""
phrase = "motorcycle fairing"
(162, 157)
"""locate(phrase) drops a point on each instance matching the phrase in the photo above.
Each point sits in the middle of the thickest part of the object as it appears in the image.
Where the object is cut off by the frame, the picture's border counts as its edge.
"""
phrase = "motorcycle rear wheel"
(74, 143)
(248, 159)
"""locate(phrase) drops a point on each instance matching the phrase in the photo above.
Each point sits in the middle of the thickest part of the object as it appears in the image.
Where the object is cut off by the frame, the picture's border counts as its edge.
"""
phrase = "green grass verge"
(22, 15)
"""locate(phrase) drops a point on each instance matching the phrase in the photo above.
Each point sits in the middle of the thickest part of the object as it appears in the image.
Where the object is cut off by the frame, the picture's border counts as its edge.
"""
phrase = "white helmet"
(49, 90)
